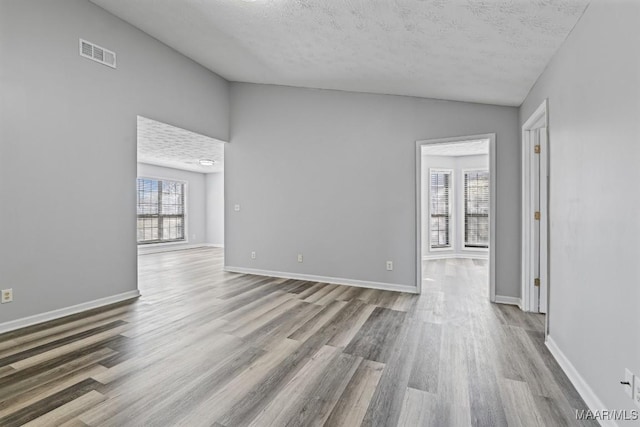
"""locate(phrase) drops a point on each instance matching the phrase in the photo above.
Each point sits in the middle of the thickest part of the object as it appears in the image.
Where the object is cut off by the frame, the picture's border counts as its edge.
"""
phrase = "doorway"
(456, 205)
(535, 212)
(180, 188)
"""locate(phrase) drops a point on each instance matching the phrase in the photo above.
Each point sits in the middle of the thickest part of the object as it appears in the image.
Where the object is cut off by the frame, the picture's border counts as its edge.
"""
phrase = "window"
(476, 209)
(160, 211)
(440, 209)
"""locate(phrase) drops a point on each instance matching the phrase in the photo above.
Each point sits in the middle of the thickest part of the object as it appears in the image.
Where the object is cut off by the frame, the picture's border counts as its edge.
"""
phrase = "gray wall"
(196, 218)
(593, 86)
(332, 175)
(67, 219)
(457, 164)
(215, 208)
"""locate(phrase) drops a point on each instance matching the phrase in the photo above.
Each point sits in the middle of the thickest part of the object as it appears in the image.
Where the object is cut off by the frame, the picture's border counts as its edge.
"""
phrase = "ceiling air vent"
(97, 53)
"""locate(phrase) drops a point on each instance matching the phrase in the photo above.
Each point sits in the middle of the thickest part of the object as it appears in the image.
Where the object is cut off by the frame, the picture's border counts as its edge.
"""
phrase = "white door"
(544, 221)
(540, 218)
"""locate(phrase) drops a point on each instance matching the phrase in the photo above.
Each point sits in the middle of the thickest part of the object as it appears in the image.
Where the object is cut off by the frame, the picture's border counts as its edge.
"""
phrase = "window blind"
(440, 209)
(160, 211)
(476, 209)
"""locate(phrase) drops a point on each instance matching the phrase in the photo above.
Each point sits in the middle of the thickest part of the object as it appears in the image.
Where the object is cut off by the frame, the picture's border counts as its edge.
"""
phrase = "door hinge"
(536, 149)
(536, 282)
(536, 215)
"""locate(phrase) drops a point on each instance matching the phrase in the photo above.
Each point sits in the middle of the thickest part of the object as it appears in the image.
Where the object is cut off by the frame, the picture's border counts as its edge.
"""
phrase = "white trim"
(456, 256)
(493, 195)
(501, 299)
(148, 249)
(63, 312)
(582, 387)
(539, 119)
(323, 279)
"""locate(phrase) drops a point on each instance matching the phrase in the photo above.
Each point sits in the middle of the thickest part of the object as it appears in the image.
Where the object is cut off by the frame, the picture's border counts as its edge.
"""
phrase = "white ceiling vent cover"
(97, 53)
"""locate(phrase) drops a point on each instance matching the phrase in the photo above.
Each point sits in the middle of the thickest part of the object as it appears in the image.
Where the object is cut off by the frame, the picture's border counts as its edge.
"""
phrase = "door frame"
(539, 119)
(492, 204)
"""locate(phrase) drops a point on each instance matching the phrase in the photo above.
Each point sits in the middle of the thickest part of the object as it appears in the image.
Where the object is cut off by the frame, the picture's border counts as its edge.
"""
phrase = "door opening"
(455, 181)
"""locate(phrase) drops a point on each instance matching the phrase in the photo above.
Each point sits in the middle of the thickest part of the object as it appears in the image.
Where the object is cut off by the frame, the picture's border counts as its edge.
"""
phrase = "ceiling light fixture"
(207, 162)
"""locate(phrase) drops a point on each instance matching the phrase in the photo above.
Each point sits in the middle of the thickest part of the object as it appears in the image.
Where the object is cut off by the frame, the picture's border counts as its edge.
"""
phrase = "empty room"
(330, 213)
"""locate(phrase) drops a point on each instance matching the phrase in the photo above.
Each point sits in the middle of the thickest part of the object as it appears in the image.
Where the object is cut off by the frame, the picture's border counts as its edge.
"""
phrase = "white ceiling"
(467, 148)
(488, 51)
(165, 145)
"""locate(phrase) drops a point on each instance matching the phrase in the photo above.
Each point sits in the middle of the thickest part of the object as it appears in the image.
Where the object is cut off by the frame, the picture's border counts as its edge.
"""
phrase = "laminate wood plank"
(351, 327)
(214, 406)
(74, 423)
(23, 381)
(519, 404)
(68, 348)
(182, 398)
(311, 326)
(67, 412)
(426, 365)
(286, 404)
(352, 405)
(46, 389)
(386, 403)
(48, 404)
(311, 290)
(418, 409)
(319, 397)
(321, 293)
(484, 394)
(377, 336)
(31, 352)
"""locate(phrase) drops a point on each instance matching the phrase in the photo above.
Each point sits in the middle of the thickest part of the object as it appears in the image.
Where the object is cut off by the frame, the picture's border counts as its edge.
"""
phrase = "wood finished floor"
(203, 347)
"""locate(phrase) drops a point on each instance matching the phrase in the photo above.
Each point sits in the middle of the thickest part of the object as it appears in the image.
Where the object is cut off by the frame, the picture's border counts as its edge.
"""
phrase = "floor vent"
(97, 53)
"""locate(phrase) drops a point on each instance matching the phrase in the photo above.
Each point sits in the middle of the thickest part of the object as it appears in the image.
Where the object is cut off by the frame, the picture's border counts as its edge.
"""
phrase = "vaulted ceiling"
(487, 51)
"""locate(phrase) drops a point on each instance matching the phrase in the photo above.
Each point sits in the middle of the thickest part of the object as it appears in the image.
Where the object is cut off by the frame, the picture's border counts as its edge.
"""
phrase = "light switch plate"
(636, 390)
(628, 377)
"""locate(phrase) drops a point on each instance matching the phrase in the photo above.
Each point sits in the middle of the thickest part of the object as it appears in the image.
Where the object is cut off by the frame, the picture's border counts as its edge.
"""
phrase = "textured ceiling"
(165, 145)
(467, 148)
(488, 51)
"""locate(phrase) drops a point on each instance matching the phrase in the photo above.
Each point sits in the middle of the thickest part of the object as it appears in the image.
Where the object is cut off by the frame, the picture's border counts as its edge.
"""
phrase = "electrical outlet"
(253, 255)
(628, 378)
(299, 257)
(236, 208)
(7, 295)
(389, 265)
(636, 390)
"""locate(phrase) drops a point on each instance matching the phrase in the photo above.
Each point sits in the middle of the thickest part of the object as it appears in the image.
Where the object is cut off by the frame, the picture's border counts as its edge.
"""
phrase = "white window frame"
(186, 213)
(451, 246)
(463, 243)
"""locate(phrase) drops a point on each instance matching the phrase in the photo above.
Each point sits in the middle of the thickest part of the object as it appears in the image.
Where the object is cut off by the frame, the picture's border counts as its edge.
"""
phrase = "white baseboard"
(62, 312)
(500, 299)
(144, 250)
(588, 395)
(455, 256)
(324, 279)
